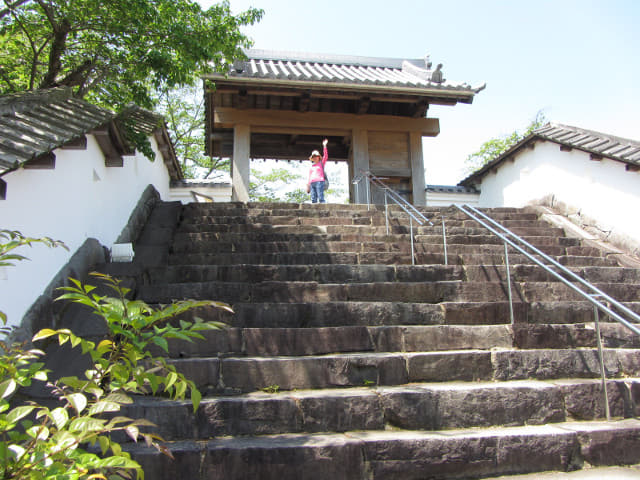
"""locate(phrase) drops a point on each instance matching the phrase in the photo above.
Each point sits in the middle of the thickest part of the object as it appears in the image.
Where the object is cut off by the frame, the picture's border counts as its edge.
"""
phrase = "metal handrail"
(410, 210)
(473, 213)
(590, 297)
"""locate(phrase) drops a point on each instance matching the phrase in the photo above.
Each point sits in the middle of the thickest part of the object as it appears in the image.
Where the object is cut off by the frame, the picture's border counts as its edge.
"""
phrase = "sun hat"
(315, 153)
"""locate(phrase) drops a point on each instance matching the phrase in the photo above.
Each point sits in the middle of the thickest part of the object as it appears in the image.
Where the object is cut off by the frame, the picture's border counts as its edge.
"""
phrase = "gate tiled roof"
(344, 70)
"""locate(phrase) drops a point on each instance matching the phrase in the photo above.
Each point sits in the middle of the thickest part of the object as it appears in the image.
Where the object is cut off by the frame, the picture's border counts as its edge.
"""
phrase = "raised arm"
(325, 152)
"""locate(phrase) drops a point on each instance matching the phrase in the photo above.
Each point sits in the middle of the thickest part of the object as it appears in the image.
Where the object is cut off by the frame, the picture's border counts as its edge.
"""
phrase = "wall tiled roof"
(34, 123)
(595, 143)
(343, 69)
(609, 146)
(451, 189)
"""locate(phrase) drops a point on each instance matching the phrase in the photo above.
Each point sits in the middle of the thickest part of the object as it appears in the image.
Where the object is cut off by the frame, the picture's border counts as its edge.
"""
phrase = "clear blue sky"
(577, 60)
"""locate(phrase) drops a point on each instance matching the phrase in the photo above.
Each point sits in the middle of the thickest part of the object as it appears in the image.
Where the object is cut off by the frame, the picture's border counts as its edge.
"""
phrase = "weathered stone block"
(284, 458)
(449, 366)
(256, 415)
(584, 400)
(414, 456)
(547, 364)
(609, 443)
(305, 341)
(493, 405)
(205, 372)
(313, 372)
(339, 411)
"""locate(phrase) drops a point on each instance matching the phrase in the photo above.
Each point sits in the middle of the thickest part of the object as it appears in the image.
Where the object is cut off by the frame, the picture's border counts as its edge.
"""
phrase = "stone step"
(305, 273)
(412, 292)
(337, 314)
(628, 472)
(534, 273)
(375, 455)
(342, 210)
(324, 340)
(301, 292)
(371, 248)
(347, 219)
(550, 291)
(419, 406)
(375, 258)
(377, 273)
(539, 229)
(276, 235)
(279, 341)
(247, 374)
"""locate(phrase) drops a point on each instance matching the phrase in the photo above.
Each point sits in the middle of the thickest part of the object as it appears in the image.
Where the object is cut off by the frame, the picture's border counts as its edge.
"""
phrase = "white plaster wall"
(79, 199)
(602, 190)
(219, 193)
(445, 199)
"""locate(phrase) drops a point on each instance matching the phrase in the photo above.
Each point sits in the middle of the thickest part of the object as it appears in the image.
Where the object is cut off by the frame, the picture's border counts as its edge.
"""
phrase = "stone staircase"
(345, 361)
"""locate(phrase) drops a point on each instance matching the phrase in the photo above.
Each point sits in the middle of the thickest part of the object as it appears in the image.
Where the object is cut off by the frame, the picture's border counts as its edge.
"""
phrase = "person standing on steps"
(315, 185)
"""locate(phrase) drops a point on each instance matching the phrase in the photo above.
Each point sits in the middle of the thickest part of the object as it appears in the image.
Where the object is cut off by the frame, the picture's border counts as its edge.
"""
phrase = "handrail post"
(413, 259)
(596, 315)
(444, 241)
(386, 211)
(368, 196)
(506, 261)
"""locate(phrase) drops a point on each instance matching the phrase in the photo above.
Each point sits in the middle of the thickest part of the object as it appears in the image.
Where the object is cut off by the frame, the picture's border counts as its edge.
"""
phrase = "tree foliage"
(117, 52)
(494, 147)
(183, 110)
(286, 184)
(278, 184)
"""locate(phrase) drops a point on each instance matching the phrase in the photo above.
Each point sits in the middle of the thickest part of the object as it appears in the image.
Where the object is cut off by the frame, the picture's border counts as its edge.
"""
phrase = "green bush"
(74, 439)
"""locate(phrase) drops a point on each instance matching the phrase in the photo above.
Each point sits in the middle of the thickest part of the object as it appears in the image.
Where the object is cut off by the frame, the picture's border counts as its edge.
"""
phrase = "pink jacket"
(317, 169)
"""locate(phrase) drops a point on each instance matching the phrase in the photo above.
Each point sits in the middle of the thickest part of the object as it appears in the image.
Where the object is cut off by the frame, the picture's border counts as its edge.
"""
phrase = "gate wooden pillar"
(417, 169)
(360, 145)
(240, 165)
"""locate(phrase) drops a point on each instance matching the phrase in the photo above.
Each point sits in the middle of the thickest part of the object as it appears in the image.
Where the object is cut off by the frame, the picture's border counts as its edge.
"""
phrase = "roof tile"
(341, 69)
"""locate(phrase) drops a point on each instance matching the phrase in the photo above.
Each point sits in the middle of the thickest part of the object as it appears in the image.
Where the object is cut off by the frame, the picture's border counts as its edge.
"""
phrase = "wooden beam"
(392, 172)
(46, 161)
(596, 157)
(632, 168)
(3, 190)
(321, 132)
(228, 117)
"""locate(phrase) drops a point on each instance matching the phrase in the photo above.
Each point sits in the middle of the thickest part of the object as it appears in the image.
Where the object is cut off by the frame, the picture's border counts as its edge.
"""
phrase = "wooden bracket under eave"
(112, 157)
(79, 143)
(632, 168)
(46, 161)
(595, 157)
(3, 190)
